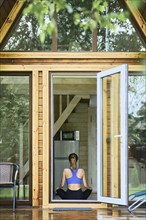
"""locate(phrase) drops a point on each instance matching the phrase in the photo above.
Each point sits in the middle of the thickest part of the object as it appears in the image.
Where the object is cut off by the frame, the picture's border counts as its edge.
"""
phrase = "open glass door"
(112, 148)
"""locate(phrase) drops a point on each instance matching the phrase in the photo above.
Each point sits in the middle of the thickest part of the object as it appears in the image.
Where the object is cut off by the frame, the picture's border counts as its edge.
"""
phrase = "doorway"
(75, 108)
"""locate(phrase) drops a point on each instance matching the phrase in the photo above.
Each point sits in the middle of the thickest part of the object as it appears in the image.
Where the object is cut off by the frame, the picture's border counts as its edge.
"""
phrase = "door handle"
(117, 135)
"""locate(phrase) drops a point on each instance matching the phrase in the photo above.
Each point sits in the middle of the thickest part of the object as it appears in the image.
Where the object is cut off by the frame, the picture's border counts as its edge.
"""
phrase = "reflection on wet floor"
(48, 214)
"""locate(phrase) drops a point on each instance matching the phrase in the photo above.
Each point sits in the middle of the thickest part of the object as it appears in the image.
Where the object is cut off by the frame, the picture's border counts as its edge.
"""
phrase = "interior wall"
(78, 121)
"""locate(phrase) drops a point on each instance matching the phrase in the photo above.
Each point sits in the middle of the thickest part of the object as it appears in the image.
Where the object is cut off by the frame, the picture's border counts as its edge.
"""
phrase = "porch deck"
(47, 214)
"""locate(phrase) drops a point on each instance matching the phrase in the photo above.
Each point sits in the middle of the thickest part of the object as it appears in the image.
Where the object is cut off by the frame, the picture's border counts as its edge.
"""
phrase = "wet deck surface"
(47, 214)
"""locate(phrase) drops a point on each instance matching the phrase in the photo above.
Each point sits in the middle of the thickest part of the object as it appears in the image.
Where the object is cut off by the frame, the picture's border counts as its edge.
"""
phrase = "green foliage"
(86, 14)
(137, 117)
(72, 36)
(25, 36)
(134, 177)
(124, 41)
(14, 111)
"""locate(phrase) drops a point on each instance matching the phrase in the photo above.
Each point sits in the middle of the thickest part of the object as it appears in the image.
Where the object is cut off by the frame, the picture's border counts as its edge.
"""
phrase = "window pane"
(25, 37)
(70, 36)
(123, 37)
(15, 129)
(137, 133)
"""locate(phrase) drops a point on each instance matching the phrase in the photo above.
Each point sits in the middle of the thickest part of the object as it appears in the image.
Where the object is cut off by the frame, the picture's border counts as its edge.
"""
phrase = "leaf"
(69, 8)
(101, 8)
(42, 36)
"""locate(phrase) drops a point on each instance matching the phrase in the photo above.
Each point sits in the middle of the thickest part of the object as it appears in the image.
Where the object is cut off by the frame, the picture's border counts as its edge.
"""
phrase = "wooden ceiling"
(5, 8)
(10, 11)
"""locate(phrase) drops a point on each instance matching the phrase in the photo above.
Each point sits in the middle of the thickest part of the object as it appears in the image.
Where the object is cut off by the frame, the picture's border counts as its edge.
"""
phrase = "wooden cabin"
(55, 102)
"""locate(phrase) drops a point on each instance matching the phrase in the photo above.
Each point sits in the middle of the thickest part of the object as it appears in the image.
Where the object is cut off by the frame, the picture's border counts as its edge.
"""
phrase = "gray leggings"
(74, 194)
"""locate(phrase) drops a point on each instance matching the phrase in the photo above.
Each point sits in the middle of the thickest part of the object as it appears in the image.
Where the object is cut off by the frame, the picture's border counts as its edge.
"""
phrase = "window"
(15, 118)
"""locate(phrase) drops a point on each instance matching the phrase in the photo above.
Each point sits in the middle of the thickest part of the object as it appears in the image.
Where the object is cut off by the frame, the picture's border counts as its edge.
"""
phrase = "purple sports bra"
(74, 179)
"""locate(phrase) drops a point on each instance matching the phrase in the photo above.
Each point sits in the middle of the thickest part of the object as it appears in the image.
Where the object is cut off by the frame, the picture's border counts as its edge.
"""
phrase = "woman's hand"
(59, 187)
(89, 187)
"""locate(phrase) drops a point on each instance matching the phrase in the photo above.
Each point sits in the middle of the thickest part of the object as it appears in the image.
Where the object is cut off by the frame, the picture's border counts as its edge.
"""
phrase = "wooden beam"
(75, 85)
(75, 89)
(73, 55)
(137, 15)
(10, 19)
(67, 67)
(46, 143)
(73, 103)
(60, 103)
(71, 79)
(35, 138)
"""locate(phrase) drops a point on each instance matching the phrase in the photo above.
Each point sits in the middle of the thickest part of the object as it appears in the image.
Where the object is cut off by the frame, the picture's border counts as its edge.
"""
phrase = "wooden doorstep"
(75, 205)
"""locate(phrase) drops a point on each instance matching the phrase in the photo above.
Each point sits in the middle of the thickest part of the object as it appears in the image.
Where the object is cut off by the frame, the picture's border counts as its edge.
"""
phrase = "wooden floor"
(47, 214)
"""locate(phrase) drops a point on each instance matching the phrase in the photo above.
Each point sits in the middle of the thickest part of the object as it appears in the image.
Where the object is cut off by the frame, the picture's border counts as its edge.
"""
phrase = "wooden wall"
(78, 120)
(42, 65)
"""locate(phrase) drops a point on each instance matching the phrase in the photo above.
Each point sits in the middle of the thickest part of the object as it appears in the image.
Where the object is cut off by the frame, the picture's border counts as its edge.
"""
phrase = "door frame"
(123, 198)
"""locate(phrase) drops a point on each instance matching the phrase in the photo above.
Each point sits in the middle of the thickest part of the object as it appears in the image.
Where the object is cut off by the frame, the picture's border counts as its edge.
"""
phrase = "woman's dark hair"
(72, 155)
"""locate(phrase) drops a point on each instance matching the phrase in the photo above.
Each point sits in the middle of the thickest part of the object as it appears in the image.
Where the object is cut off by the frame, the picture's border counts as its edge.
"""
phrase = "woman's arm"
(84, 181)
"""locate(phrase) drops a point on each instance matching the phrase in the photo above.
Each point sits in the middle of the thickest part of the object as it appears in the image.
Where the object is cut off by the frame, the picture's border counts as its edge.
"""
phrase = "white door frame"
(123, 71)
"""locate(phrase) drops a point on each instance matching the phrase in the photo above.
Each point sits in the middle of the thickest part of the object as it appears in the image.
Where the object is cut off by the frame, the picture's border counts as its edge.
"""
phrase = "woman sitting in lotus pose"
(74, 177)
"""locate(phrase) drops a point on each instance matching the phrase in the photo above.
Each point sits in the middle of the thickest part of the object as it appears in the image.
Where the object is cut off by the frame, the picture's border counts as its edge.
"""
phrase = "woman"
(74, 177)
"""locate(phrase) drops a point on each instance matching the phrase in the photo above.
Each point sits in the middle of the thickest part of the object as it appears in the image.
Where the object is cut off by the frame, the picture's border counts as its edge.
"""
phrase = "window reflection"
(15, 128)
(137, 133)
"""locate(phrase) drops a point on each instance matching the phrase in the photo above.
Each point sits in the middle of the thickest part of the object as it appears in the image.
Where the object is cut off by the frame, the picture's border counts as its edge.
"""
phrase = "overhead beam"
(74, 79)
(137, 15)
(75, 57)
(74, 89)
(10, 19)
(74, 85)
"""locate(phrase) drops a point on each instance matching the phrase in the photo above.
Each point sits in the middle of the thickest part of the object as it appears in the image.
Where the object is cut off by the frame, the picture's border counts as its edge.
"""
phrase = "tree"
(85, 14)
(136, 118)
(14, 111)
(25, 36)
(73, 37)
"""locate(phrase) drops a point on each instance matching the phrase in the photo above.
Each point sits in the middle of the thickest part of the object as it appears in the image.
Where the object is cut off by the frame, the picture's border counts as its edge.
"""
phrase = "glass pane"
(15, 129)
(123, 37)
(25, 36)
(111, 136)
(137, 133)
(74, 110)
(71, 37)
